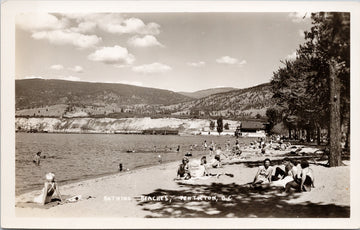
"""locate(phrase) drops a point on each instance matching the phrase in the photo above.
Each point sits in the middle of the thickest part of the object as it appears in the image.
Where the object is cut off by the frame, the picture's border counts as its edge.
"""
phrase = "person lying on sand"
(199, 170)
(282, 177)
(264, 174)
(304, 182)
(183, 170)
(49, 191)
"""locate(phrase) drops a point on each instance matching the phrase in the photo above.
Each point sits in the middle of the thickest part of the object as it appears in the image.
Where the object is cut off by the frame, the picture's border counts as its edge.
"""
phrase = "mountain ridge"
(206, 92)
(60, 98)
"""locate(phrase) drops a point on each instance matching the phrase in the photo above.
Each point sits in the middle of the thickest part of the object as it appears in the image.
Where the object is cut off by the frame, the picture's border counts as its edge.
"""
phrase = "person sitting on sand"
(264, 173)
(49, 191)
(183, 170)
(37, 157)
(216, 162)
(200, 169)
(285, 170)
(304, 182)
(282, 177)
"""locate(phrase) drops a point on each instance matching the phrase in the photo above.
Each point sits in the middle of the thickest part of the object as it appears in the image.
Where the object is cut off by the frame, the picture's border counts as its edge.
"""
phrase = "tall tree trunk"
(318, 134)
(335, 124)
(347, 143)
(289, 133)
(308, 137)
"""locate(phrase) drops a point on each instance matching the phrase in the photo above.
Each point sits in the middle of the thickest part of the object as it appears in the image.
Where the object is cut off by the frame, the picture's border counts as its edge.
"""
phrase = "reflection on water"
(79, 156)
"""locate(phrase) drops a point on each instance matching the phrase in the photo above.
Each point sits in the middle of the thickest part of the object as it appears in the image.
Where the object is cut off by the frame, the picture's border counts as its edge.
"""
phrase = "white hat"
(50, 176)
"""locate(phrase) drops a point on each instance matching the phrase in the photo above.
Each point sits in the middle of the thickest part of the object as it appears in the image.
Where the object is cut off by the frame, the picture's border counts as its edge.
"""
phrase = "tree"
(226, 126)
(212, 125)
(273, 118)
(220, 125)
(258, 116)
(312, 89)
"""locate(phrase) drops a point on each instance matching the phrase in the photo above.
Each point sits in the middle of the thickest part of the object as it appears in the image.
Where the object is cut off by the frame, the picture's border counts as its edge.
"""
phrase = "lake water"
(80, 156)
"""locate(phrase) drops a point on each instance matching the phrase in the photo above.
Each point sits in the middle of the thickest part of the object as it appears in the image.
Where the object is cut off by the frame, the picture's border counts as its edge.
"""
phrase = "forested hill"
(244, 102)
(207, 92)
(58, 98)
(32, 93)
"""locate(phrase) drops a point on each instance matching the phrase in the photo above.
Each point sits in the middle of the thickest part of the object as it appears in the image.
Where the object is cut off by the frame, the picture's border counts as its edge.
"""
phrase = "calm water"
(79, 156)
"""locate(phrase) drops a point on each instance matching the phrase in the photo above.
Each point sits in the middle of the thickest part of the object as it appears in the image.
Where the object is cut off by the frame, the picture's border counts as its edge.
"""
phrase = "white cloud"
(57, 67)
(196, 64)
(84, 27)
(292, 56)
(152, 68)
(77, 69)
(227, 60)
(298, 17)
(66, 37)
(39, 21)
(146, 41)
(116, 23)
(131, 25)
(116, 55)
(243, 62)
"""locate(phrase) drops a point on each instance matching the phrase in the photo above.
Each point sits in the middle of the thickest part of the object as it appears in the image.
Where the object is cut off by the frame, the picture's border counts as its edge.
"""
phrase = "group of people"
(291, 175)
(200, 169)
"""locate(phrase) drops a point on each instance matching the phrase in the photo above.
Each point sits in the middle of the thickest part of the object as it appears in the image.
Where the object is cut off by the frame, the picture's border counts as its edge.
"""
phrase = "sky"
(173, 51)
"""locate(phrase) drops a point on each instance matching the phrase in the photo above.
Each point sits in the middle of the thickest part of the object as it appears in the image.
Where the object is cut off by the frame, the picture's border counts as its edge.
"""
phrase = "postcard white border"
(10, 8)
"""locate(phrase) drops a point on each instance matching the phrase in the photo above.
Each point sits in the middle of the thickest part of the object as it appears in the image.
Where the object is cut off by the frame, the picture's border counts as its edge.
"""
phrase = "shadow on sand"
(244, 202)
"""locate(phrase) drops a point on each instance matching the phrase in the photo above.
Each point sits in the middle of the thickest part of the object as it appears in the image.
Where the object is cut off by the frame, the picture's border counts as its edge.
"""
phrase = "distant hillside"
(68, 99)
(206, 92)
(243, 102)
(37, 93)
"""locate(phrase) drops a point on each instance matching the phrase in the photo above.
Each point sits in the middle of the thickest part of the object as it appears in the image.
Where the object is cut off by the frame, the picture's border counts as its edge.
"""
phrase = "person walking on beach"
(37, 157)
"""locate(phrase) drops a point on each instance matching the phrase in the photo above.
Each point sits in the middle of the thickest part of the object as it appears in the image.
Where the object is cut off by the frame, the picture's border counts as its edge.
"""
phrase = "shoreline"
(94, 177)
(248, 157)
(140, 193)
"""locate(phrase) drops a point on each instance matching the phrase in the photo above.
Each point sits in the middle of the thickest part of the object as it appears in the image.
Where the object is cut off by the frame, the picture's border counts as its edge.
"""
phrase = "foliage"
(220, 125)
(301, 87)
(212, 125)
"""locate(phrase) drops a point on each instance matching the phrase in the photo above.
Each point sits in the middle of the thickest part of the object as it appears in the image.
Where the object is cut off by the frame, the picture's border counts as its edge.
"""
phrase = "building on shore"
(253, 129)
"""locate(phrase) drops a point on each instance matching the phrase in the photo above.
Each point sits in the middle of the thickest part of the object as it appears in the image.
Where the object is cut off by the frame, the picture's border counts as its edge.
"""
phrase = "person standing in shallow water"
(36, 159)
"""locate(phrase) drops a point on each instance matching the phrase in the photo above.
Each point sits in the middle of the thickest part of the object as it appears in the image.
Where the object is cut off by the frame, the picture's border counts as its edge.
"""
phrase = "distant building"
(253, 129)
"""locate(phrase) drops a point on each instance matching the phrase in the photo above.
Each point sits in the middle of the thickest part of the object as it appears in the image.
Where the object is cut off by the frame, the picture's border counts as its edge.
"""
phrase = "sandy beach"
(152, 192)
